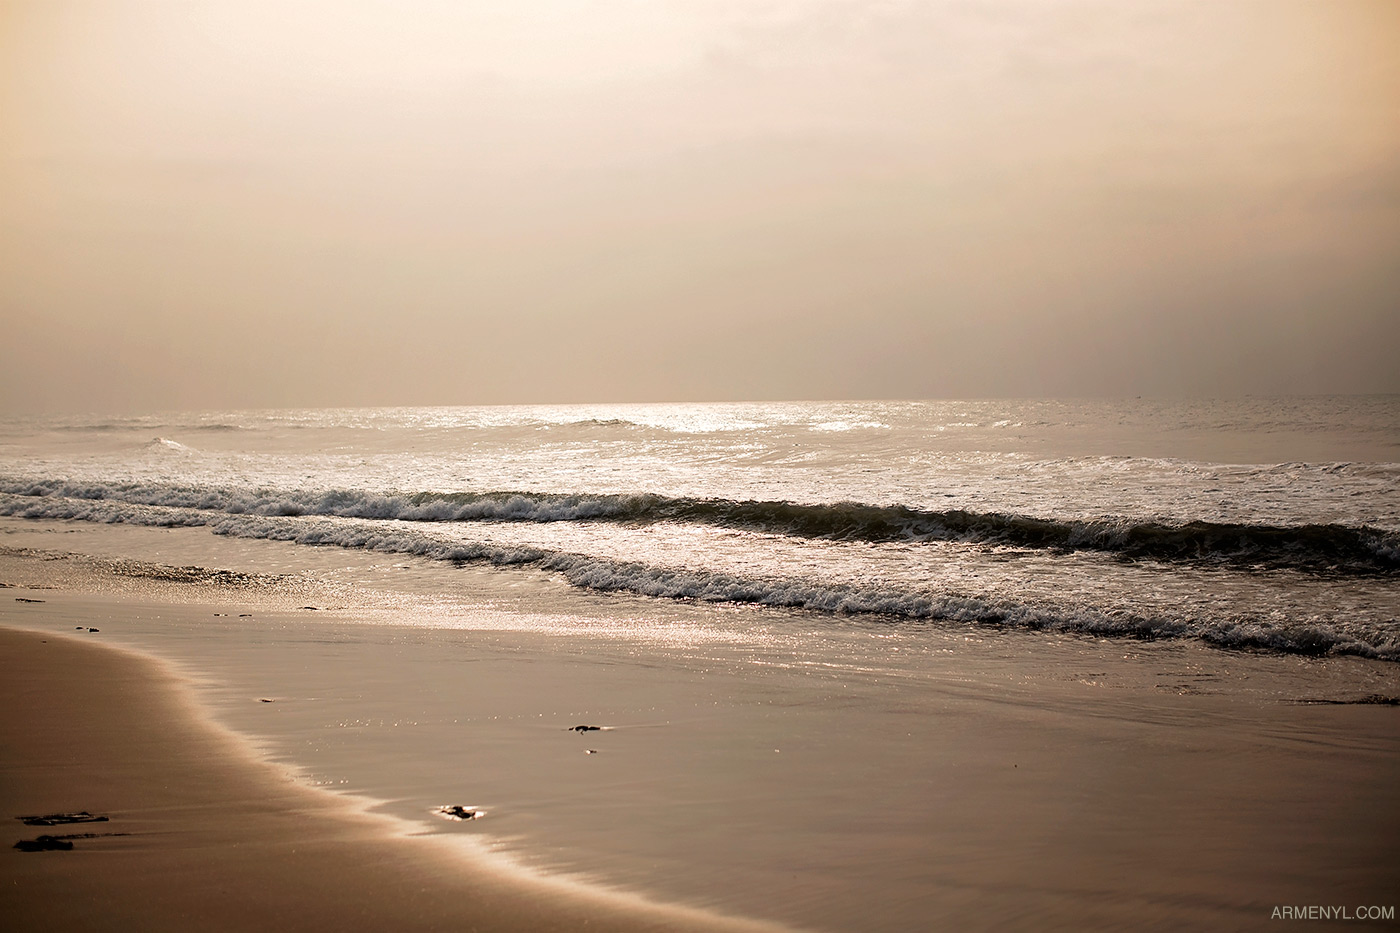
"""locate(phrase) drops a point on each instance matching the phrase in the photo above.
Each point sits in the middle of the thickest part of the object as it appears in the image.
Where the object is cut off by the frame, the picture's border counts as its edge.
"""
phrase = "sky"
(269, 203)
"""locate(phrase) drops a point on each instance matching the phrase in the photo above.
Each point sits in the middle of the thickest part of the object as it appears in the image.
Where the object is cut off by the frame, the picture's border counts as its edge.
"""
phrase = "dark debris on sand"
(61, 819)
(199, 575)
(459, 812)
(62, 843)
(44, 844)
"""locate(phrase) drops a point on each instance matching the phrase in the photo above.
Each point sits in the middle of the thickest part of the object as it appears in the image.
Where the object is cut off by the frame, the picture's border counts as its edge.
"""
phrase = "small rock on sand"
(458, 812)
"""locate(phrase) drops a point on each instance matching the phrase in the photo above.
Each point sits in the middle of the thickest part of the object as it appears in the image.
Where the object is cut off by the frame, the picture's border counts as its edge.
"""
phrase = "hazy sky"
(234, 203)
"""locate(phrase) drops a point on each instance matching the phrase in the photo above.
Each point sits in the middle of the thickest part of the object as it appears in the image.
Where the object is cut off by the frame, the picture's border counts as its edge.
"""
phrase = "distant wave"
(594, 423)
(143, 424)
(103, 427)
(611, 575)
(165, 443)
(1318, 548)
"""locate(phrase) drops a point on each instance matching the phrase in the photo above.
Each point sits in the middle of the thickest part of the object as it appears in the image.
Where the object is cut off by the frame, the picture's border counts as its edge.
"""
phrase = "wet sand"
(202, 835)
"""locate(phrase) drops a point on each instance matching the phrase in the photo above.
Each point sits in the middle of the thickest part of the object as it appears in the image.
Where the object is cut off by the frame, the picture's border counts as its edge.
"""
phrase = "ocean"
(1268, 523)
(736, 583)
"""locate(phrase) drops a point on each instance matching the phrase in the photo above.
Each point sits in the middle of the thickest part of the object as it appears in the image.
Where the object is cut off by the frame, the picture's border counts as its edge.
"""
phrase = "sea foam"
(1319, 547)
(890, 601)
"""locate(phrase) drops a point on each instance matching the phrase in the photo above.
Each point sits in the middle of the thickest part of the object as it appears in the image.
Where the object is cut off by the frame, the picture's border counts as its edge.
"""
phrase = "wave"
(595, 423)
(1316, 548)
(145, 424)
(166, 444)
(104, 427)
(1310, 637)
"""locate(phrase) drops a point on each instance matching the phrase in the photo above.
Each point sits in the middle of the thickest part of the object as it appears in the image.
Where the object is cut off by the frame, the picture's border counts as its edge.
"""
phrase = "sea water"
(1270, 523)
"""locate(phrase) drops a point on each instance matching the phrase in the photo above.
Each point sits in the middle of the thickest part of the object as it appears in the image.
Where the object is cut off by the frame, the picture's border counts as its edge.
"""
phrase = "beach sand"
(201, 835)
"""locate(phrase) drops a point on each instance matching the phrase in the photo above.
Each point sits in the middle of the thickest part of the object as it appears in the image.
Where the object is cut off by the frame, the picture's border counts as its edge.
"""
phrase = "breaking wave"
(1318, 548)
(1312, 637)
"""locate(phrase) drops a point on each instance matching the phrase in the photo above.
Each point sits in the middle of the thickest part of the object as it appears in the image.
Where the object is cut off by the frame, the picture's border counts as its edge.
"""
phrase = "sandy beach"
(192, 832)
(1099, 785)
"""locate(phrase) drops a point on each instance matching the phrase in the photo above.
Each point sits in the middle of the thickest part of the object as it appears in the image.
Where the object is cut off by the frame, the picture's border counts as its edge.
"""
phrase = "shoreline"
(201, 833)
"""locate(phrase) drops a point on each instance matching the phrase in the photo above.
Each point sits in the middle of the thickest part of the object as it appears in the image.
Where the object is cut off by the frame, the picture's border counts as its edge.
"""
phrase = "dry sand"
(202, 835)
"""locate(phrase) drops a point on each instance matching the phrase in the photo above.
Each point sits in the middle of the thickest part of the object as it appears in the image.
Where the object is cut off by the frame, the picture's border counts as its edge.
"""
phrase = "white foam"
(608, 574)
